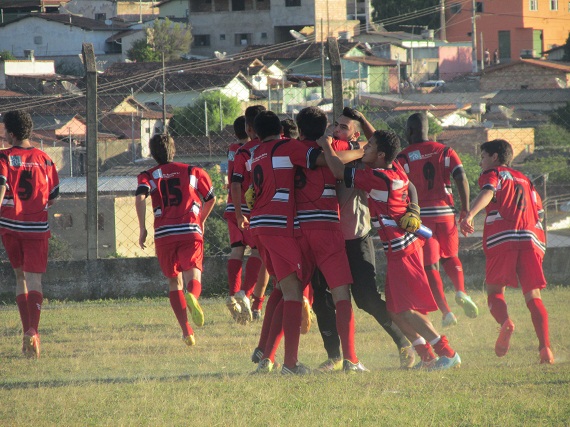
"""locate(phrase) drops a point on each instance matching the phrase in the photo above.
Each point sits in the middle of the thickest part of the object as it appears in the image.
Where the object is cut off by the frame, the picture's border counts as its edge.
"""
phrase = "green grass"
(123, 363)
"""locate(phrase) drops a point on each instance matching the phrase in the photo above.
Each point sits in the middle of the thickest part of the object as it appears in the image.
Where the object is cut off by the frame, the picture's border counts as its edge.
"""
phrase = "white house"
(30, 67)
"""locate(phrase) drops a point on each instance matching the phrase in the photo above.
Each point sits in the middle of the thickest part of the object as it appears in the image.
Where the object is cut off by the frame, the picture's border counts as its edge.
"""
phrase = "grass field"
(122, 362)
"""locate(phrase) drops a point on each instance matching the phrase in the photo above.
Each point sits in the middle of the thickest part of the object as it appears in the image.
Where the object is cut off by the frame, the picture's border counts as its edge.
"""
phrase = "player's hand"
(411, 220)
(250, 197)
(466, 226)
(242, 222)
(462, 215)
(324, 141)
(142, 238)
(353, 114)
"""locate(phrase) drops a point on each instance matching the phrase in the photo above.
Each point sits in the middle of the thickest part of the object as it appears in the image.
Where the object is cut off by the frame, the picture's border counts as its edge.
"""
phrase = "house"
(12, 9)
(28, 67)
(526, 74)
(514, 27)
(445, 115)
(226, 26)
(61, 36)
(128, 11)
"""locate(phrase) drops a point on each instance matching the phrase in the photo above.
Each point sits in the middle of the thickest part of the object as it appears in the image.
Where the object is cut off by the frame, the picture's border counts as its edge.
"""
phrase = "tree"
(6, 55)
(385, 9)
(551, 135)
(191, 120)
(566, 56)
(561, 116)
(168, 39)
(141, 51)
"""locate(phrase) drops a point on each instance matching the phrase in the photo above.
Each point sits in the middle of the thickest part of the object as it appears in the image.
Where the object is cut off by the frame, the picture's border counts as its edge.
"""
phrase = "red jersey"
(273, 167)
(230, 208)
(315, 193)
(430, 166)
(31, 181)
(242, 170)
(176, 191)
(387, 200)
(512, 220)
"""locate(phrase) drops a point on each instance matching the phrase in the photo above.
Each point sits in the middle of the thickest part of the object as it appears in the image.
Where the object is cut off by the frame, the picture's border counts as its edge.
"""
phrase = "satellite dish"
(297, 35)
(220, 55)
(368, 46)
(561, 83)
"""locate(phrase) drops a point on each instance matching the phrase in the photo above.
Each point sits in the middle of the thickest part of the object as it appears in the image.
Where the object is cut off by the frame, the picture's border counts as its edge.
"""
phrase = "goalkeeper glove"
(411, 219)
(250, 197)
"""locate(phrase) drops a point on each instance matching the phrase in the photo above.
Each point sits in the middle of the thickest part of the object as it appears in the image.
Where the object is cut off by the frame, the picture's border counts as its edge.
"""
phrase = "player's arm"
(242, 221)
(367, 128)
(334, 163)
(460, 178)
(140, 205)
(2, 189)
(411, 221)
(345, 156)
(207, 208)
(480, 202)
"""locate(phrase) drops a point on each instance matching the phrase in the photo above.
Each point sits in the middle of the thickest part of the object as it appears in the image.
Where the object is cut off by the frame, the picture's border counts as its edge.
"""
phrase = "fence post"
(336, 75)
(91, 149)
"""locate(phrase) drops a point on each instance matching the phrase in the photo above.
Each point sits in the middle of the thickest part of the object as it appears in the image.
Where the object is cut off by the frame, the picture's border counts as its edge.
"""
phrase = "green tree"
(191, 120)
(385, 9)
(141, 51)
(561, 116)
(6, 55)
(551, 135)
(556, 166)
(168, 39)
(566, 56)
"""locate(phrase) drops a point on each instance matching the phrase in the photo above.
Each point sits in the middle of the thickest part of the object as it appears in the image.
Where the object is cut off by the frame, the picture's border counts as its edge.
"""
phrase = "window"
(479, 7)
(292, 3)
(201, 40)
(533, 5)
(38, 40)
(238, 5)
(553, 4)
(63, 220)
(242, 39)
(263, 36)
(455, 8)
(100, 16)
(222, 37)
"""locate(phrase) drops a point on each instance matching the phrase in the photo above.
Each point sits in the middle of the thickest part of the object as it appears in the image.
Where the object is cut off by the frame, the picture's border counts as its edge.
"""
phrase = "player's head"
(346, 129)
(417, 128)
(250, 113)
(495, 153)
(267, 124)
(162, 148)
(290, 129)
(312, 122)
(382, 144)
(239, 128)
(18, 125)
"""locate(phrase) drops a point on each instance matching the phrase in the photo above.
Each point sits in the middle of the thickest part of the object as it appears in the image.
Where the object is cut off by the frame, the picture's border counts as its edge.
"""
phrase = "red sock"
(345, 328)
(22, 302)
(498, 307)
(195, 288)
(234, 275)
(272, 302)
(292, 331)
(539, 317)
(454, 270)
(436, 286)
(257, 302)
(425, 352)
(275, 333)
(442, 347)
(178, 304)
(252, 267)
(35, 300)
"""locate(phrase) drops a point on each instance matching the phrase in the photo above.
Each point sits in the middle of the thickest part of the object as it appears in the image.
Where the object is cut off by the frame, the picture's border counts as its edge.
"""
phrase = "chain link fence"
(198, 101)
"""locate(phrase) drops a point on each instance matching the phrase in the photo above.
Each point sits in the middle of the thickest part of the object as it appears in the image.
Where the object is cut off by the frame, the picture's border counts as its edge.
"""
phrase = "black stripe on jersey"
(349, 177)
(317, 215)
(143, 189)
(26, 226)
(278, 221)
(2, 180)
(54, 194)
(168, 230)
(400, 243)
(514, 236)
(230, 207)
(313, 156)
(237, 177)
(210, 194)
(437, 211)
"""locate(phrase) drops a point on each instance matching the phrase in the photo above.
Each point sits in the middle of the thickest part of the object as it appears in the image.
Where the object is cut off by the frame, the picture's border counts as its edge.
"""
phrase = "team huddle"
(303, 201)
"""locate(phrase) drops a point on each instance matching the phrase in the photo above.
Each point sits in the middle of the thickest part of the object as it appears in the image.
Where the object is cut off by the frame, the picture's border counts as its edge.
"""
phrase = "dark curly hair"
(19, 123)
(388, 143)
(162, 148)
(503, 149)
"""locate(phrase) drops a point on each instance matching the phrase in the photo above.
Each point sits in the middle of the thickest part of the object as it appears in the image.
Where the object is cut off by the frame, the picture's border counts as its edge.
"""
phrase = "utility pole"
(474, 38)
(442, 31)
(164, 126)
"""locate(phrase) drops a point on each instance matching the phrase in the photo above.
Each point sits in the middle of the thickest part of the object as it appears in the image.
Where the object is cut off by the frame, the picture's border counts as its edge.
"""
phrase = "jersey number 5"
(25, 188)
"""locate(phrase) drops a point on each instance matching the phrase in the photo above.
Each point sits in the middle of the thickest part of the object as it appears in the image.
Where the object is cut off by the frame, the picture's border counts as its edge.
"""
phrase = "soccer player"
(255, 281)
(430, 165)
(182, 199)
(513, 241)
(290, 129)
(29, 184)
(392, 201)
(355, 226)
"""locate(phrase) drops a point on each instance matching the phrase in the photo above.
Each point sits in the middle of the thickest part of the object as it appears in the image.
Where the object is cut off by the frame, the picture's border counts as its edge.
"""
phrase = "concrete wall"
(523, 76)
(136, 277)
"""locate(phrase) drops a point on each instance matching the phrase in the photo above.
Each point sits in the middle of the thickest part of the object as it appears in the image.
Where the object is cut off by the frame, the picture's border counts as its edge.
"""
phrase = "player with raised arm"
(182, 199)
(430, 165)
(29, 184)
(513, 242)
(392, 201)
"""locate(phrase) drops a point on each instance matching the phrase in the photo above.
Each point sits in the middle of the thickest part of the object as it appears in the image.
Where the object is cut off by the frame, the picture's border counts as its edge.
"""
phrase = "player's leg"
(431, 262)
(234, 269)
(258, 295)
(252, 268)
(292, 307)
(179, 306)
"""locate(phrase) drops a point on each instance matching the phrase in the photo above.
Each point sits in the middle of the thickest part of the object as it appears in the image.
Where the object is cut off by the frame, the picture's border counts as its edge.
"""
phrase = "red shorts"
(328, 252)
(514, 266)
(177, 257)
(407, 286)
(282, 256)
(239, 237)
(443, 244)
(29, 255)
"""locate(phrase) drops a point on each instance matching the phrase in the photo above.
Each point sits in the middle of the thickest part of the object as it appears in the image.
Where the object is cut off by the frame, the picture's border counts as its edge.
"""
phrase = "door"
(537, 42)
(505, 46)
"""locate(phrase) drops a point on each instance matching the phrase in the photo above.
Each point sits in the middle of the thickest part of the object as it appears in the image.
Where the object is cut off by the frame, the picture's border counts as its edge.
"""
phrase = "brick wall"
(522, 76)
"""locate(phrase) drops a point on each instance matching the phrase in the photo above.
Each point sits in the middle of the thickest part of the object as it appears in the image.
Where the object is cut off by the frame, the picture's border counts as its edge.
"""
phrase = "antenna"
(297, 35)
(220, 55)
(561, 83)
